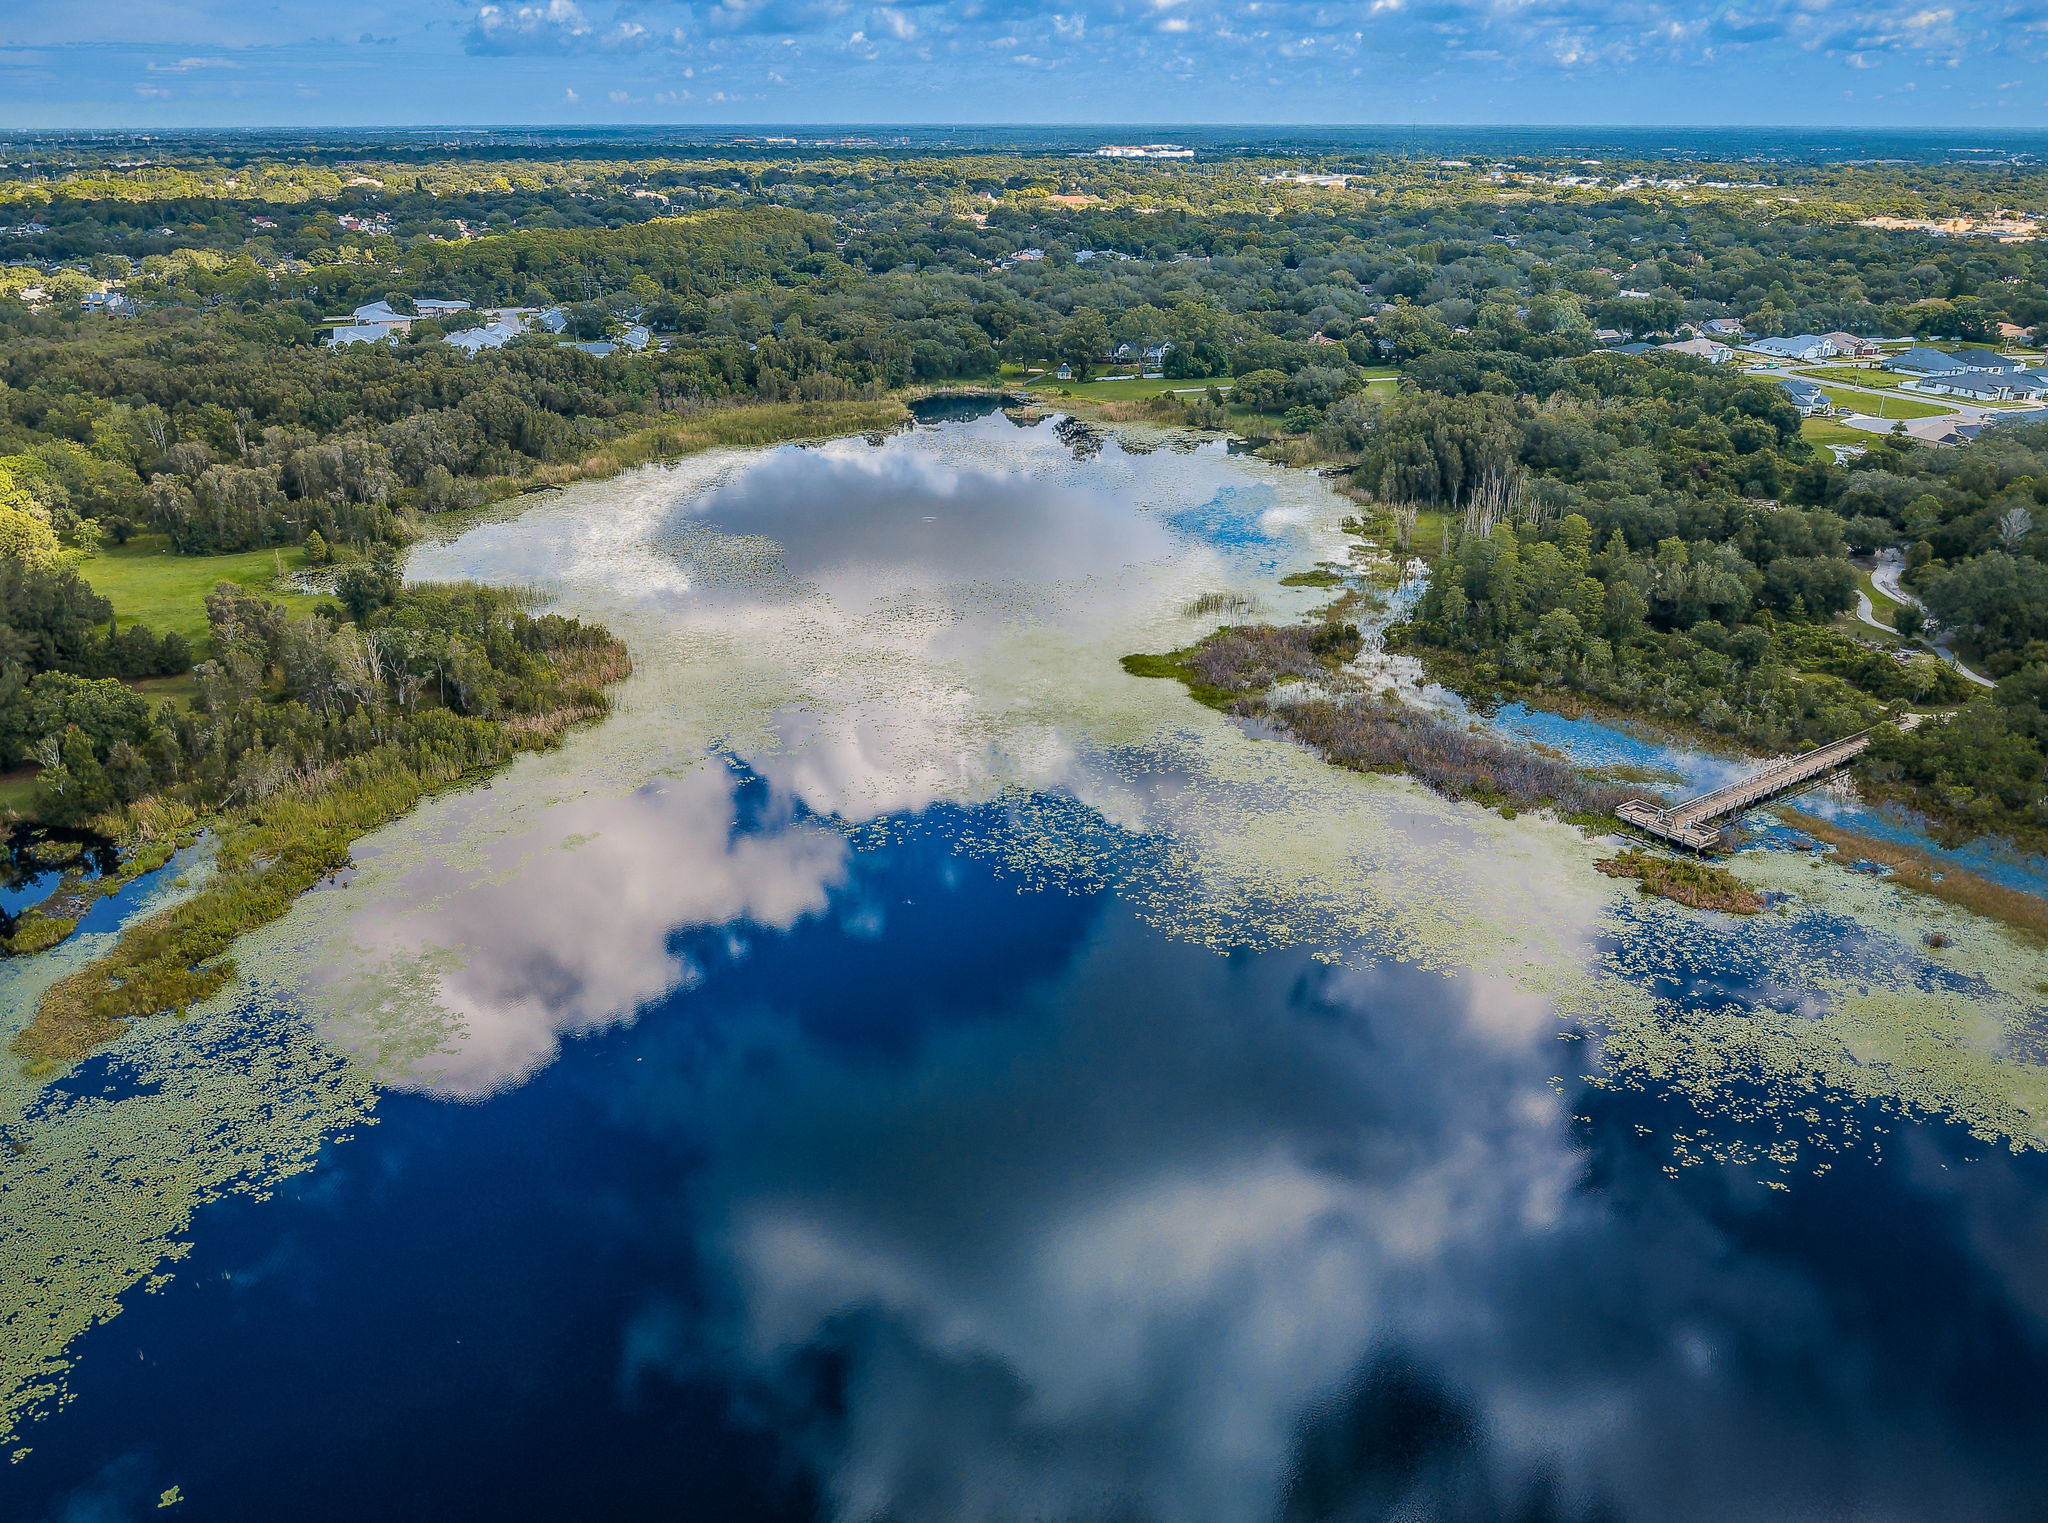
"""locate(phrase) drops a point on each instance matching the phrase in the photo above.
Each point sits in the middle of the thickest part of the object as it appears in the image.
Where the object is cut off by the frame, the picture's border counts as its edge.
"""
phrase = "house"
(1924, 361)
(381, 312)
(636, 336)
(1969, 384)
(1990, 364)
(1064, 373)
(1850, 344)
(494, 335)
(602, 350)
(364, 333)
(1608, 335)
(113, 303)
(1721, 327)
(431, 306)
(554, 319)
(1804, 395)
(1805, 347)
(1702, 349)
(1636, 348)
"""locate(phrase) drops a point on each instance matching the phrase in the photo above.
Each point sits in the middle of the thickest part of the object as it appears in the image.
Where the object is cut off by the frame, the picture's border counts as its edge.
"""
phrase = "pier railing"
(1686, 824)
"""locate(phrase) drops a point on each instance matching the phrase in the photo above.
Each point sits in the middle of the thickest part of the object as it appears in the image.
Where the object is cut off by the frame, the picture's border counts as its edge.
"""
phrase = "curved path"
(1885, 577)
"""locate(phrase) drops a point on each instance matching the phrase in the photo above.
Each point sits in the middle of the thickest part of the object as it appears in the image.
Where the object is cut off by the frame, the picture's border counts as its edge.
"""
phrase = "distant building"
(112, 303)
(1701, 349)
(1721, 327)
(364, 333)
(1850, 344)
(1144, 151)
(1987, 362)
(1635, 348)
(434, 306)
(1971, 385)
(1806, 347)
(382, 312)
(1804, 395)
(1925, 361)
(493, 335)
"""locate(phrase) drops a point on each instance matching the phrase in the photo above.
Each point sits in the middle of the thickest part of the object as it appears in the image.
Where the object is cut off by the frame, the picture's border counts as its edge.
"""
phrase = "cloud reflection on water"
(1200, 1240)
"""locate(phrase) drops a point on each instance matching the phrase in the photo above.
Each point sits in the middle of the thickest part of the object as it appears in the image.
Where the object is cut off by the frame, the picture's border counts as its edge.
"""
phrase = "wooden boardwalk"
(1687, 824)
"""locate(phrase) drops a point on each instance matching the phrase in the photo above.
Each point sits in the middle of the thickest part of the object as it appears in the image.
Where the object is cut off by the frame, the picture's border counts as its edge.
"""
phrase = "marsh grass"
(1698, 885)
(1214, 604)
(273, 851)
(1916, 870)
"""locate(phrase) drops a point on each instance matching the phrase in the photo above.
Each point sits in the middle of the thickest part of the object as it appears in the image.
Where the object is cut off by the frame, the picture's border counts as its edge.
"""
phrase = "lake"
(901, 1067)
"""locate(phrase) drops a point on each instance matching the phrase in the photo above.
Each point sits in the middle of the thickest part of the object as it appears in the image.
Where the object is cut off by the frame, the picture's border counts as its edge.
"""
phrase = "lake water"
(899, 1066)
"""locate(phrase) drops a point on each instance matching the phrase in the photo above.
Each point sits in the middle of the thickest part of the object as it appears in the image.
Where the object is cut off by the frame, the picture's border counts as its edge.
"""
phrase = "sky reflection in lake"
(921, 1072)
(948, 1203)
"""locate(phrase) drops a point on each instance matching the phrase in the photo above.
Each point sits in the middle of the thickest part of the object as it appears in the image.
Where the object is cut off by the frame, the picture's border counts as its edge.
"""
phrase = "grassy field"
(1832, 431)
(16, 788)
(1382, 381)
(1894, 406)
(1124, 388)
(1882, 607)
(149, 585)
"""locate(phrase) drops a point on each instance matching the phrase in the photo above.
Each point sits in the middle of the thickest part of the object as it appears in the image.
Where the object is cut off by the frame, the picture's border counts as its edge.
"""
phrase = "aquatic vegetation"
(1700, 885)
(1928, 875)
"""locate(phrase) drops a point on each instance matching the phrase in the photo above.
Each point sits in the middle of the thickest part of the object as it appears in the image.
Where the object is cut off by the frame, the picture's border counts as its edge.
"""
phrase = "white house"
(1721, 327)
(364, 333)
(1850, 344)
(504, 328)
(1806, 347)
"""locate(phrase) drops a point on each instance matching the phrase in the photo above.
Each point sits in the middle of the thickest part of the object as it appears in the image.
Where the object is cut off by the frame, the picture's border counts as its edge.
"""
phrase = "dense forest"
(1650, 533)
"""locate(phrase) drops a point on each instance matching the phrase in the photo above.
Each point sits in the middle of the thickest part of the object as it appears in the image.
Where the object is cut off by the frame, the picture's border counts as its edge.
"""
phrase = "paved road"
(1885, 577)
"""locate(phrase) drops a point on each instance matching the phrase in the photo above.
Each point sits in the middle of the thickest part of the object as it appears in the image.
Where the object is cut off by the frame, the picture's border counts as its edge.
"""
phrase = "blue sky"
(606, 62)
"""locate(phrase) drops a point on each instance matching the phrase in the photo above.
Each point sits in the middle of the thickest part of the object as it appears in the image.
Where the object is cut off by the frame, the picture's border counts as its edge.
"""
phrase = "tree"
(1084, 340)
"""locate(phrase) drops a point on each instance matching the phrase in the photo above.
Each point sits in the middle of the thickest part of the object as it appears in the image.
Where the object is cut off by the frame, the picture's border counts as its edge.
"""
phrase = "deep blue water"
(1002, 1204)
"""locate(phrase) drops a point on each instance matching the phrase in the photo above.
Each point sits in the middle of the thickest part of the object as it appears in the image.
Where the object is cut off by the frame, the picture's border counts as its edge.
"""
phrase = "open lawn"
(1881, 604)
(1895, 406)
(1382, 381)
(1124, 388)
(147, 584)
(1832, 431)
(16, 789)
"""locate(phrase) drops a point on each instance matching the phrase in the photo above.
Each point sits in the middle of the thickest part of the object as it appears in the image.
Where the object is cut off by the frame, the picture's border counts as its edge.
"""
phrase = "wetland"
(905, 1062)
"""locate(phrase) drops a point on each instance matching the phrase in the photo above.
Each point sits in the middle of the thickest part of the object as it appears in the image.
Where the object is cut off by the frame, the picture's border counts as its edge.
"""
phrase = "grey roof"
(1926, 361)
(494, 336)
(380, 312)
(362, 333)
(1803, 343)
(1984, 359)
(1632, 348)
(1972, 381)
